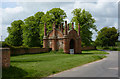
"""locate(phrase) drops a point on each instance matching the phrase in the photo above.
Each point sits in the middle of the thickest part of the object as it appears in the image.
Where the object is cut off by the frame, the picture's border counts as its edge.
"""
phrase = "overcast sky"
(105, 12)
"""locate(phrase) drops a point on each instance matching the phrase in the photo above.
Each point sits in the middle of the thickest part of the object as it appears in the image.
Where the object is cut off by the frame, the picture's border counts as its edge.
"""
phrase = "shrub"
(4, 44)
(113, 48)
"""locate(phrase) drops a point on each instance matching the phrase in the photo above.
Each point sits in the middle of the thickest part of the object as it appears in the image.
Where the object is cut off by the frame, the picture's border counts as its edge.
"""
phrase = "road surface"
(107, 67)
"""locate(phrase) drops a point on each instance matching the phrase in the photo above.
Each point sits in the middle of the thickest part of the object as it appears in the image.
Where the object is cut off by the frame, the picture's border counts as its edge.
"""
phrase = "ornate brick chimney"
(62, 28)
(78, 29)
(54, 40)
(45, 39)
(45, 30)
(68, 27)
(72, 25)
(65, 27)
(79, 38)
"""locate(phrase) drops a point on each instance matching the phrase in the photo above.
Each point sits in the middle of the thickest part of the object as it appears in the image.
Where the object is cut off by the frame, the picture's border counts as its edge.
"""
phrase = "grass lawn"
(43, 65)
(112, 48)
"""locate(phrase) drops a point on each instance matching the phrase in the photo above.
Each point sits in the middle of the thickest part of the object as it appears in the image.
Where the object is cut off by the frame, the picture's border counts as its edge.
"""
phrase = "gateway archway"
(72, 46)
(63, 38)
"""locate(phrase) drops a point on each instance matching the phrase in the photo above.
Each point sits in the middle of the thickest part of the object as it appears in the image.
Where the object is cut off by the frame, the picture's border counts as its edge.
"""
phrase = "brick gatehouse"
(63, 38)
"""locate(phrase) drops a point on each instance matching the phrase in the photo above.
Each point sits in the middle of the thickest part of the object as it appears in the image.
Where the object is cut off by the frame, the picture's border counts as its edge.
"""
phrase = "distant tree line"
(29, 33)
(107, 37)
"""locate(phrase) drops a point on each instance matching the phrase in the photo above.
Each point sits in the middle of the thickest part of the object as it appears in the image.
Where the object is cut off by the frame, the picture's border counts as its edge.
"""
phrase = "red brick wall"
(5, 57)
(38, 50)
(5, 53)
(19, 51)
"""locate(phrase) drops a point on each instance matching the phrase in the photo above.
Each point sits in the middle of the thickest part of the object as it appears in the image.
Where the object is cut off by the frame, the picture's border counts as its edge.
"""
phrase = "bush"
(105, 48)
(4, 44)
(113, 48)
(60, 51)
(110, 48)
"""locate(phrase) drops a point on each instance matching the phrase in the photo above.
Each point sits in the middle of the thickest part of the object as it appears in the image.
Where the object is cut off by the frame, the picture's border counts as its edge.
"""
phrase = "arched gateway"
(63, 38)
(72, 46)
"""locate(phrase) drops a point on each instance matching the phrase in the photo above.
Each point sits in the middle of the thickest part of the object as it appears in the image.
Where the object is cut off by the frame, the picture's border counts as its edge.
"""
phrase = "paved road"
(107, 67)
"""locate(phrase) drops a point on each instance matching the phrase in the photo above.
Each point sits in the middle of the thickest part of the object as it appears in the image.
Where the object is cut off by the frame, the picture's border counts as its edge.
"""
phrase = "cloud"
(3, 32)
(10, 14)
(13, 10)
(105, 12)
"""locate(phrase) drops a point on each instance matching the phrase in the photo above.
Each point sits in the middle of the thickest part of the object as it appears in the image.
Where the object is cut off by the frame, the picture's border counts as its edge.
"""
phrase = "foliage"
(32, 29)
(42, 65)
(15, 33)
(4, 44)
(49, 20)
(58, 15)
(30, 32)
(112, 48)
(107, 37)
(86, 21)
(70, 26)
(40, 24)
(54, 15)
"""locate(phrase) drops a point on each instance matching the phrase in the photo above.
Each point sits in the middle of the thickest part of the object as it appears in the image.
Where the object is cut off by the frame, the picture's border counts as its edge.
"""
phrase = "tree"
(49, 20)
(86, 21)
(107, 37)
(54, 15)
(32, 29)
(15, 33)
(40, 24)
(58, 15)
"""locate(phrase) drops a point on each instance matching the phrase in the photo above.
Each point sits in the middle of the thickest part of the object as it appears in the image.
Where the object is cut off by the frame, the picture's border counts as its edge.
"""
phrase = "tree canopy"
(15, 33)
(32, 29)
(58, 15)
(107, 37)
(86, 21)
(30, 32)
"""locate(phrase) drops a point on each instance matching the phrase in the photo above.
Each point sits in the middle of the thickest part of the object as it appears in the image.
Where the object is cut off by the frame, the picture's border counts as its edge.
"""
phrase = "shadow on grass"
(13, 73)
(28, 54)
(28, 61)
(87, 53)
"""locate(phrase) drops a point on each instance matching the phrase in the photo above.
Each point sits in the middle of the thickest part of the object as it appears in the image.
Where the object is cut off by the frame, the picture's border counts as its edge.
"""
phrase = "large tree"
(107, 37)
(86, 21)
(49, 20)
(58, 15)
(15, 33)
(31, 30)
(40, 24)
(33, 27)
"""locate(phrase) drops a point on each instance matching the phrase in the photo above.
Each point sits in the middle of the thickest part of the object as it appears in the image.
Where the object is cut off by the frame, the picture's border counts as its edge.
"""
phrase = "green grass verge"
(112, 48)
(42, 65)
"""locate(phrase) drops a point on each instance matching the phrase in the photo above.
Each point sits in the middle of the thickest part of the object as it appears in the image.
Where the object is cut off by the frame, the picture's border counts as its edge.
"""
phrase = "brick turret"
(72, 25)
(45, 38)
(54, 40)
(65, 27)
(79, 38)
(68, 27)
(62, 28)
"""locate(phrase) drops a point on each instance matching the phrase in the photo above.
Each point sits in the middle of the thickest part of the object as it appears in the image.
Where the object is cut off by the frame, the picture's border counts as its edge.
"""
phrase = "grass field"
(42, 65)
(112, 48)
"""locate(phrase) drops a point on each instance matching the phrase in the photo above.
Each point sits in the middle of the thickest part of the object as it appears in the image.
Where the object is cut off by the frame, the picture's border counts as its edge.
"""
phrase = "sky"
(105, 12)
